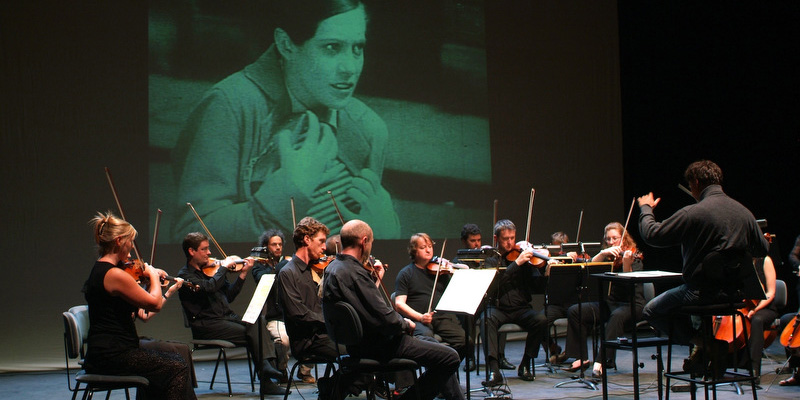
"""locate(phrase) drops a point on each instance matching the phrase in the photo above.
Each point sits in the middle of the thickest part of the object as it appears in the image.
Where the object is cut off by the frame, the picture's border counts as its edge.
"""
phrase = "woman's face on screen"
(324, 71)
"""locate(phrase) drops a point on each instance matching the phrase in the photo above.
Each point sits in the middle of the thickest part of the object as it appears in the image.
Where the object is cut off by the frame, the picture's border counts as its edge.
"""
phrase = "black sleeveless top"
(111, 324)
(762, 276)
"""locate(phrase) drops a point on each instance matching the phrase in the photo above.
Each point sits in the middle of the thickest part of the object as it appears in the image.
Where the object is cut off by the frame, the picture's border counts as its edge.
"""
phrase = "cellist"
(763, 314)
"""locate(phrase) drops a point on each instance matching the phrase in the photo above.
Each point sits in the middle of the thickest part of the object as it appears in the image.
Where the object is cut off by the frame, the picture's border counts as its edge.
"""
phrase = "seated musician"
(790, 339)
(416, 295)
(763, 314)
(209, 313)
(115, 299)
(271, 243)
(511, 300)
(622, 251)
(385, 331)
(298, 293)
(556, 311)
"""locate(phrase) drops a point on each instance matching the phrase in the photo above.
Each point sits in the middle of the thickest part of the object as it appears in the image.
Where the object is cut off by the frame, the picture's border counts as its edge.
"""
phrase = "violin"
(136, 269)
(235, 265)
(521, 247)
(320, 264)
(439, 265)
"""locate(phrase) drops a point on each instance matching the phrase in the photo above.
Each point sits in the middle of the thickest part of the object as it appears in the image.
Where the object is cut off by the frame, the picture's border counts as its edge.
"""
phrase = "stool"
(707, 312)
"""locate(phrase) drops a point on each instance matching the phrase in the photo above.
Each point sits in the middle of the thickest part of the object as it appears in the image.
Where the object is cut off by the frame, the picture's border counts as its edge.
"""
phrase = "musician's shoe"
(469, 365)
(695, 363)
(790, 381)
(504, 364)
(268, 371)
(556, 359)
(526, 370)
(494, 378)
(554, 349)
(269, 387)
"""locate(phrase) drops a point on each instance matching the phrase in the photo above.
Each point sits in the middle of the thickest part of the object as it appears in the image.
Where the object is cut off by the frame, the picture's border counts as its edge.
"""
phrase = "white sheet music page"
(465, 291)
(649, 274)
(259, 298)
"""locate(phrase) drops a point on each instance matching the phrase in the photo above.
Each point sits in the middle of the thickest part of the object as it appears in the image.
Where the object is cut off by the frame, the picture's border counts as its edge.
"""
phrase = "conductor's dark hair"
(706, 172)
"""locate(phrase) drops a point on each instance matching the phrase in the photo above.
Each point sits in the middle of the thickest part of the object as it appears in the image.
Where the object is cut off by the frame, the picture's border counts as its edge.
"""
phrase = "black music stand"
(569, 283)
(464, 295)
(475, 258)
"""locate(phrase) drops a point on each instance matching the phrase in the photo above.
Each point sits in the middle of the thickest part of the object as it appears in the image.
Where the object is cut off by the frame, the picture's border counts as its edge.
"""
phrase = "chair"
(222, 346)
(76, 330)
(329, 368)
(344, 327)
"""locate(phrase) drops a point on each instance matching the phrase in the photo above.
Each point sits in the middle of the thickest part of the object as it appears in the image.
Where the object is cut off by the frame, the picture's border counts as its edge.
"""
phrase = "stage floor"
(53, 385)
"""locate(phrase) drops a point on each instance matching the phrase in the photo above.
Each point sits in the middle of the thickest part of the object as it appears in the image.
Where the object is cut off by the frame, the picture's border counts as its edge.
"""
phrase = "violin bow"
(155, 237)
(578, 235)
(207, 231)
(294, 217)
(436, 278)
(119, 207)
(622, 237)
(625, 229)
(530, 216)
(494, 222)
(336, 207)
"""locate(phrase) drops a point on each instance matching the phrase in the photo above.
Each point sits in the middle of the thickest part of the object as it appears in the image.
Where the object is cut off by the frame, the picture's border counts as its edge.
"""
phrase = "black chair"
(76, 330)
(329, 369)
(344, 327)
(222, 347)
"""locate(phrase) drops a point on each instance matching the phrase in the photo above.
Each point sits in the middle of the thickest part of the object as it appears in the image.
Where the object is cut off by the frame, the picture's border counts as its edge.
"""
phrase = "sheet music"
(649, 274)
(259, 298)
(465, 291)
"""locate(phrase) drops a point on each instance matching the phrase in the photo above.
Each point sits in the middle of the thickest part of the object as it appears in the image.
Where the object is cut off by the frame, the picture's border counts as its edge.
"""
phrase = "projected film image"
(264, 112)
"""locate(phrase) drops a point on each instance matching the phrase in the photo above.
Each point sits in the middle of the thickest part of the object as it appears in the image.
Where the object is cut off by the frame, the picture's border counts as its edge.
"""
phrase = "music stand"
(463, 295)
(568, 283)
(475, 258)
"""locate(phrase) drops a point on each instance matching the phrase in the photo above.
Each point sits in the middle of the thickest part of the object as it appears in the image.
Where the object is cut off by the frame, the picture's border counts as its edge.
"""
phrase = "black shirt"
(299, 301)
(417, 284)
(212, 299)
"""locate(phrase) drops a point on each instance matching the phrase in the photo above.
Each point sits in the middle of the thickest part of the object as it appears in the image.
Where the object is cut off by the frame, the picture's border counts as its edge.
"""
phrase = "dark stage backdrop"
(76, 82)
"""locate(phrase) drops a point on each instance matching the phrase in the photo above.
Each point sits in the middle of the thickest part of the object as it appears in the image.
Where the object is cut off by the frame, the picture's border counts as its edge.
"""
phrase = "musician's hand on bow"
(426, 318)
(612, 252)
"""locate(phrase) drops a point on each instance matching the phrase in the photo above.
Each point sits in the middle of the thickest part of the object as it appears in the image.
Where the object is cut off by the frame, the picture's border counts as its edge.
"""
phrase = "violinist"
(385, 331)
(511, 301)
(115, 299)
(298, 288)
(209, 313)
(416, 296)
(625, 257)
(271, 260)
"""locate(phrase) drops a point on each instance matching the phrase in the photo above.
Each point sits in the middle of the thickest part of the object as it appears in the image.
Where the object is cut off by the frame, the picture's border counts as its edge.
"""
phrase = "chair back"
(780, 294)
(649, 291)
(76, 330)
(342, 323)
